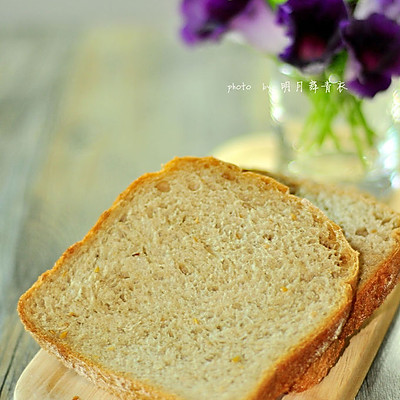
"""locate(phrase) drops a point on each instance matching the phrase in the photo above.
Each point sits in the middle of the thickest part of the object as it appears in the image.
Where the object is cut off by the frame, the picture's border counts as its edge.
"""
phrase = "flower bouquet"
(340, 54)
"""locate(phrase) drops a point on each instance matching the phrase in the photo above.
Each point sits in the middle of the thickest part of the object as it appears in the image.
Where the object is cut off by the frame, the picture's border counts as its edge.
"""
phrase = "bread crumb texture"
(199, 281)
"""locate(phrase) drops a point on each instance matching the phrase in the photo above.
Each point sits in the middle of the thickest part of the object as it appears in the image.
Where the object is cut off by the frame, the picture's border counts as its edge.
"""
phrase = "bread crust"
(270, 387)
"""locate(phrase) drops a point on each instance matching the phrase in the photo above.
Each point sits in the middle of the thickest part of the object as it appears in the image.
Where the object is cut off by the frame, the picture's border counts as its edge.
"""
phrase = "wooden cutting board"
(45, 378)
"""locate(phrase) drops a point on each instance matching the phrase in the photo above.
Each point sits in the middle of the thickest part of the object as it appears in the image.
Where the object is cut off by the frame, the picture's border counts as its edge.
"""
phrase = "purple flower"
(209, 19)
(314, 29)
(374, 50)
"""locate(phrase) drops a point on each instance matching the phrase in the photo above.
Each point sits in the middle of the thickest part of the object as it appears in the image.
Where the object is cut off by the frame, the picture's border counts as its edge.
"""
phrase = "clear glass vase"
(326, 133)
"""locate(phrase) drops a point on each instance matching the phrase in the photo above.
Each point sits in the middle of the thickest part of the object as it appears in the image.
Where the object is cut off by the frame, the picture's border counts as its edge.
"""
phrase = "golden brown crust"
(372, 293)
(270, 387)
(320, 368)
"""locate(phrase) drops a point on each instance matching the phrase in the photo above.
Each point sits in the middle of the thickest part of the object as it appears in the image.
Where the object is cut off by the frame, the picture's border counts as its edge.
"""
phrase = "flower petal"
(259, 27)
(208, 19)
(374, 53)
(369, 85)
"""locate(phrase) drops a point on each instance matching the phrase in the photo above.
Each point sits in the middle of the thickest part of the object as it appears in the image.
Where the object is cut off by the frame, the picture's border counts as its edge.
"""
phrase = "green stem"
(353, 116)
(329, 110)
(326, 107)
(319, 123)
(370, 134)
(359, 145)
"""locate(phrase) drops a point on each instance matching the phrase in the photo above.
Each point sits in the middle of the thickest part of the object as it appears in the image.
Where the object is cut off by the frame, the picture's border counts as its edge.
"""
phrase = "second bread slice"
(373, 229)
(200, 282)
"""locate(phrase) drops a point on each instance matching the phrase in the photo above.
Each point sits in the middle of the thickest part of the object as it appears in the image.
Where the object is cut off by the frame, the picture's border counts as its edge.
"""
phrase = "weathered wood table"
(84, 113)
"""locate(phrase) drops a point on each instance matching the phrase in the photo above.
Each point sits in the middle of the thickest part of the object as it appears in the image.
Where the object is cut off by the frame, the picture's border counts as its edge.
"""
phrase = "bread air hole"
(183, 269)
(193, 186)
(382, 218)
(163, 186)
(150, 212)
(229, 175)
(268, 236)
(344, 258)
(362, 231)
(326, 242)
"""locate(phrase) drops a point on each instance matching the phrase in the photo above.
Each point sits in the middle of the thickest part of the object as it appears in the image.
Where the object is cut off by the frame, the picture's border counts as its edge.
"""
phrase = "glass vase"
(326, 133)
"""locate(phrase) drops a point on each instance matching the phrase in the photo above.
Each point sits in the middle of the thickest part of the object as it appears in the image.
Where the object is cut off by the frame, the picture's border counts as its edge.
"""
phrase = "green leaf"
(275, 3)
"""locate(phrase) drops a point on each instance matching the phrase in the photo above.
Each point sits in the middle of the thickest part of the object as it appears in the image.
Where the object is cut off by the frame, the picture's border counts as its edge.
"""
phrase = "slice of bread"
(371, 228)
(200, 282)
